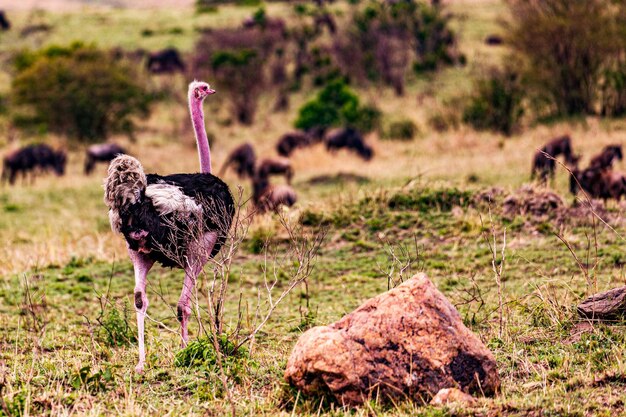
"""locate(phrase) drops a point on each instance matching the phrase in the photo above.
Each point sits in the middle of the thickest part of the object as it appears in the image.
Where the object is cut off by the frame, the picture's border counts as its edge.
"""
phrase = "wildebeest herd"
(266, 196)
(32, 160)
(36, 159)
(598, 180)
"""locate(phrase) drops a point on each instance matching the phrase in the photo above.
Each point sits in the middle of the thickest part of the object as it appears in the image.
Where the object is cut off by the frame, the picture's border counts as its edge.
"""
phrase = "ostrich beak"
(211, 91)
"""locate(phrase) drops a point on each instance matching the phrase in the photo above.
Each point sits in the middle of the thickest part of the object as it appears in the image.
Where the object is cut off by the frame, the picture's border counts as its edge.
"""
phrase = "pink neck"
(197, 118)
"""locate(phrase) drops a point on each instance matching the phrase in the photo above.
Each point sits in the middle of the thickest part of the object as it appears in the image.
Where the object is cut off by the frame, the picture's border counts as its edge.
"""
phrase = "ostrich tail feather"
(123, 186)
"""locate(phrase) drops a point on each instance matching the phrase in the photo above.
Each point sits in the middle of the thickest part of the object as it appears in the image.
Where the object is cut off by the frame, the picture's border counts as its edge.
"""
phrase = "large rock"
(407, 343)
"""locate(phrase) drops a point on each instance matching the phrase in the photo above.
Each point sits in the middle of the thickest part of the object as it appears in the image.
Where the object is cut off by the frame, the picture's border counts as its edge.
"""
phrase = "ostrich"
(179, 220)
(271, 197)
(243, 158)
(102, 152)
(280, 166)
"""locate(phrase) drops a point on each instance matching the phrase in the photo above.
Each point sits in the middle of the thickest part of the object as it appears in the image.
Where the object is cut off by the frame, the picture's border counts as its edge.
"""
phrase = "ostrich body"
(101, 152)
(179, 220)
(243, 158)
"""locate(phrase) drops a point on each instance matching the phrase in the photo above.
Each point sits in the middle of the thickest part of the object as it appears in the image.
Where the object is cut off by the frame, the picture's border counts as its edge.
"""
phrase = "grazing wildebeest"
(543, 161)
(494, 40)
(597, 181)
(291, 141)
(606, 157)
(271, 197)
(165, 61)
(101, 152)
(280, 166)
(243, 158)
(4, 22)
(31, 158)
(350, 139)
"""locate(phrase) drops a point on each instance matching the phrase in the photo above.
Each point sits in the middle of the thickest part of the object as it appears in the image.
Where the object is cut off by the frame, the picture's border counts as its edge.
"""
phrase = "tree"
(569, 46)
(79, 91)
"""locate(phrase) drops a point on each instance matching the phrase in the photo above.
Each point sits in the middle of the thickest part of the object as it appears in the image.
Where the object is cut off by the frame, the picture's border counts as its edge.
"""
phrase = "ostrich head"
(198, 90)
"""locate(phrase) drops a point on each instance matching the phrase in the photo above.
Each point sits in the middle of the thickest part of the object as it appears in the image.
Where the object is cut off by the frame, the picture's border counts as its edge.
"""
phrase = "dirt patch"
(539, 204)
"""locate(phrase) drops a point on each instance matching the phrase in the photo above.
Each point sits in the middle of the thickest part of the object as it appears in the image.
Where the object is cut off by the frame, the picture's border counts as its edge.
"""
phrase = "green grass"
(57, 319)
(67, 323)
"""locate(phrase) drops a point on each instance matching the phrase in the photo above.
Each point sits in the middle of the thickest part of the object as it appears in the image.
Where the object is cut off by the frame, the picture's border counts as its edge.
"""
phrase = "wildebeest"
(4, 22)
(243, 158)
(31, 158)
(291, 141)
(543, 161)
(165, 61)
(271, 197)
(606, 157)
(350, 139)
(598, 183)
(101, 152)
(494, 40)
(280, 166)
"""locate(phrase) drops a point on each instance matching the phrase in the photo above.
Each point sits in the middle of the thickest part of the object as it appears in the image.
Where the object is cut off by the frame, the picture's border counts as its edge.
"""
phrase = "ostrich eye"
(205, 88)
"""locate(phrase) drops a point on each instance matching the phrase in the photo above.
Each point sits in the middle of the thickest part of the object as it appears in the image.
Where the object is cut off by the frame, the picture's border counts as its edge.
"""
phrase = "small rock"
(407, 343)
(452, 395)
(607, 305)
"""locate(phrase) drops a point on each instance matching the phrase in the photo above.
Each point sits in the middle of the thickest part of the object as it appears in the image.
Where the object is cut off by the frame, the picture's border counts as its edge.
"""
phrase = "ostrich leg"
(141, 265)
(197, 258)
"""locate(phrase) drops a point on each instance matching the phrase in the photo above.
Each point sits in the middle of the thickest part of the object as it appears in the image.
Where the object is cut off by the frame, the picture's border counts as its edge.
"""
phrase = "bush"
(569, 47)
(114, 329)
(497, 102)
(384, 38)
(337, 105)
(239, 60)
(78, 91)
(201, 354)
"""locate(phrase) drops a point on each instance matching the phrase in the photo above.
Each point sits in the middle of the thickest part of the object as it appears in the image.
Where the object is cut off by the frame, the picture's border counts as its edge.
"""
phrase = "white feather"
(168, 198)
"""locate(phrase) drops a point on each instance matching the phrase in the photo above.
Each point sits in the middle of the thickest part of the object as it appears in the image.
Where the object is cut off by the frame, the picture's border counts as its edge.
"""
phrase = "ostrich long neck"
(197, 118)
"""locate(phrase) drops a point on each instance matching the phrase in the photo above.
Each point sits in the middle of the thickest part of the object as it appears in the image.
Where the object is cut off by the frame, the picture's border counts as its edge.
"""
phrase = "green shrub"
(115, 329)
(428, 199)
(79, 91)
(259, 240)
(337, 105)
(200, 354)
(496, 103)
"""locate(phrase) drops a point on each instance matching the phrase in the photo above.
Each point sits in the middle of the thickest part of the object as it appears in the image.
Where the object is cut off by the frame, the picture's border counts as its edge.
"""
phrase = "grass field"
(66, 303)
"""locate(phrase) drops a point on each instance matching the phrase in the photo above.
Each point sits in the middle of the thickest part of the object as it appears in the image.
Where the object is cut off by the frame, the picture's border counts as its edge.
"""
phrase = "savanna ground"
(66, 316)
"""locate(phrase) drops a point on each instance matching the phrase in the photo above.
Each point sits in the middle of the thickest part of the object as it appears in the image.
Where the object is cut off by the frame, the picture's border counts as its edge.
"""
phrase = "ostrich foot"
(139, 368)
